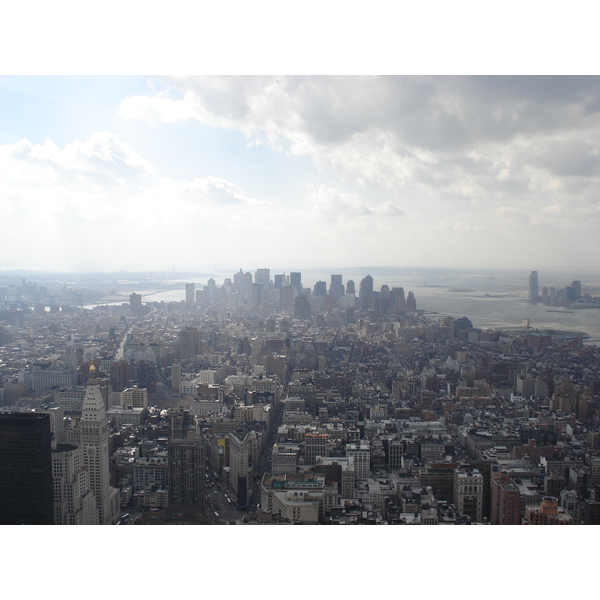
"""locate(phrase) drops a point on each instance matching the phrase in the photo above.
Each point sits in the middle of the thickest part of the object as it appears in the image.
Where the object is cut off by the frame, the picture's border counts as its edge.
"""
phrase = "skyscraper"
(366, 293)
(336, 288)
(25, 469)
(94, 446)
(185, 472)
(190, 296)
(263, 276)
(296, 281)
(74, 501)
(533, 286)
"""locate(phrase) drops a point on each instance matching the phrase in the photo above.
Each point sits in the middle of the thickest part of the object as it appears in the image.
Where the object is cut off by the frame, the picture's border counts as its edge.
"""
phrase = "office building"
(190, 296)
(94, 446)
(320, 289)
(301, 307)
(505, 502)
(25, 469)
(240, 464)
(315, 444)
(336, 288)
(135, 304)
(468, 494)
(74, 501)
(185, 472)
(135, 397)
(256, 297)
(533, 286)
(263, 276)
(366, 293)
(190, 343)
(296, 282)
(350, 288)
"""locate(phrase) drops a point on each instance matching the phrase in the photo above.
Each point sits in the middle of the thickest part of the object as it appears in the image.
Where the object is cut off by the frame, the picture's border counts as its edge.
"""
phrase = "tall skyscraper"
(25, 469)
(263, 276)
(94, 446)
(296, 281)
(397, 298)
(533, 286)
(190, 296)
(350, 289)
(336, 288)
(366, 293)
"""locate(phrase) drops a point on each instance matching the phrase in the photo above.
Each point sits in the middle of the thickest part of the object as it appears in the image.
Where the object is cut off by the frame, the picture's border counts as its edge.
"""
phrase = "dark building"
(301, 307)
(190, 342)
(320, 289)
(185, 473)
(26, 469)
(533, 287)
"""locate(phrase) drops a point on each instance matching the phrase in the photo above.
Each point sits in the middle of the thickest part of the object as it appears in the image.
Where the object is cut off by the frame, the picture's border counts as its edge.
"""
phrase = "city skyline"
(438, 171)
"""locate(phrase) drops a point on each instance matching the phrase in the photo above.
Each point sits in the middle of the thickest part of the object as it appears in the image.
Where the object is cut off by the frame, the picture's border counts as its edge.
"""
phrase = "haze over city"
(151, 172)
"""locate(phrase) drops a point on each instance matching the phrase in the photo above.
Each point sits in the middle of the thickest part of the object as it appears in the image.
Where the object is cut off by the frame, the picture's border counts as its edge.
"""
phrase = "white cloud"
(103, 159)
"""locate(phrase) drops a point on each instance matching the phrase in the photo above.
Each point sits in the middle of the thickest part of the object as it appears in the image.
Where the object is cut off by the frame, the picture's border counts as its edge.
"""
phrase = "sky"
(133, 172)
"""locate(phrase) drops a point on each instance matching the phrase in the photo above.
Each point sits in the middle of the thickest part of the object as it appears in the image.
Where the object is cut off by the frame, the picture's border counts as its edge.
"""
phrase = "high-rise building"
(350, 289)
(361, 454)
(286, 296)
(175, 376)
(185, 472)
(576, 285)
(135, 303)
(263, 276)
(190, 343)
(320, 289)
(190, 295)
(411, 302)
(397, 298)
(301, 307)
(74, 501)
(25, 469)
(336, 289)
(94, 446)
(533, 286)
(315, 444)
(296, 281)
(257, 293)
(366, 293)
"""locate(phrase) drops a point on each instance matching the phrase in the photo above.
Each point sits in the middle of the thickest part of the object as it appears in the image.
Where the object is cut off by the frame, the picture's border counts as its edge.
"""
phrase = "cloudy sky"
(299, 171)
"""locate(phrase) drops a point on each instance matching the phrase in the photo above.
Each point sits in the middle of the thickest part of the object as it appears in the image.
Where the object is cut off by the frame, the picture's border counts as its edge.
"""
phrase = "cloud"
(102, 159)
(470, 138)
